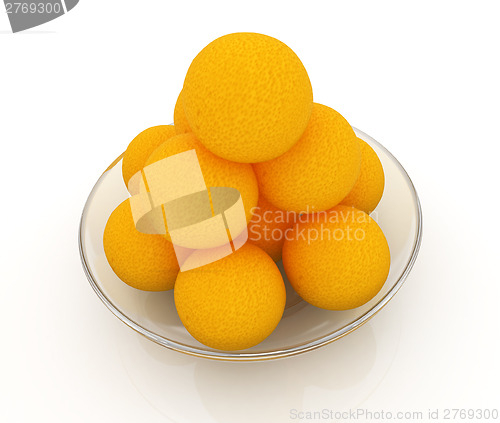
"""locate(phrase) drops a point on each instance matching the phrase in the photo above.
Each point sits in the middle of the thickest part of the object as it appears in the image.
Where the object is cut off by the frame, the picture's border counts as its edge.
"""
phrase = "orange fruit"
(143, 261)
(247, 97)
(180, 120)
(141, 148)
(217, 172)
(318, 171)
(268, 227)
(369, 187)
(337, 260)
(233, 303)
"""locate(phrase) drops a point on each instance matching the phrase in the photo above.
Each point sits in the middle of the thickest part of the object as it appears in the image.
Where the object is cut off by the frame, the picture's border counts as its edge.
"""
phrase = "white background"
(422, 78)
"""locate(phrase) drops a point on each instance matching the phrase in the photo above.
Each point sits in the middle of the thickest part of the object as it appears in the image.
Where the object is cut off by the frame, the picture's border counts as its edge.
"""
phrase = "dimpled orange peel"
(307, 185)
(143, 261)
(141, 148)
(318, 171)
(180, 119)
(247, 97)
(369, 187)
(217, 172)
(233, 303)
(268, 228)
(337, 260)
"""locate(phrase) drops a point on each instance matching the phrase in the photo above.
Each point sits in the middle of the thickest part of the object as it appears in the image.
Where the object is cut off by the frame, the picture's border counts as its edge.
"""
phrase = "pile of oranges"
(306, 181)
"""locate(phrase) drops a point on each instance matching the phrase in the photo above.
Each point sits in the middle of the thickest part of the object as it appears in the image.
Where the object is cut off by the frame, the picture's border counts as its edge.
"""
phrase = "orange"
(336, 260)
(268, 227)
(141, 148)
(318, 171)
(180, 119)
(233, 303)
(217, 172)
(143, 261)
(369, 187)
(247, 97)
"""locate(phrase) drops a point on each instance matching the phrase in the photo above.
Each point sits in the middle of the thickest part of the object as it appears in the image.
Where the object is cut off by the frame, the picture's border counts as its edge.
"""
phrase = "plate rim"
(270, 355)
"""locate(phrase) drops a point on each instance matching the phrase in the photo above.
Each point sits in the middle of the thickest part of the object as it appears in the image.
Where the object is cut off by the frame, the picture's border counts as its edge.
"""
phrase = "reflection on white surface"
(185, 389)
(182, 388)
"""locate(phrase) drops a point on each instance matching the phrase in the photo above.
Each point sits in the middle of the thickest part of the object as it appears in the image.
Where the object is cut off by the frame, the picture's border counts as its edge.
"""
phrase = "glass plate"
(303, 327)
